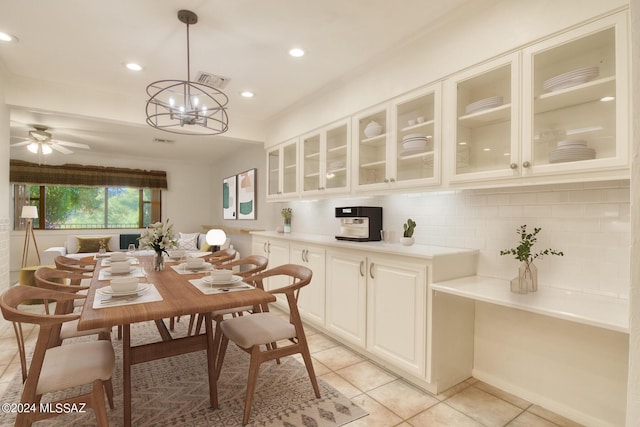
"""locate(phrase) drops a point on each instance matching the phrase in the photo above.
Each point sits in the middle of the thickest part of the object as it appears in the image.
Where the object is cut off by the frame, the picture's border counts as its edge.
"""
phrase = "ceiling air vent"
(163, 141)
(212, 80)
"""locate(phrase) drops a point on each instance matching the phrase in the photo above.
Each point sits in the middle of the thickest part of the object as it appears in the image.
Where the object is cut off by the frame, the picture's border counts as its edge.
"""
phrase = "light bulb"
(33, 147)
(46, 149)
(195, 101)
(171, 102)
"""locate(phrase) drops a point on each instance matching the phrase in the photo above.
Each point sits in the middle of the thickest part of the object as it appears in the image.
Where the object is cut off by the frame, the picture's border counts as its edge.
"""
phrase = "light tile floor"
(389, 400)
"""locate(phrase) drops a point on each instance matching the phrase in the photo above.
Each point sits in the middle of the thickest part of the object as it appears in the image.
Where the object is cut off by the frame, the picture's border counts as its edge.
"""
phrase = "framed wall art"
(247, 194)
(229, 198)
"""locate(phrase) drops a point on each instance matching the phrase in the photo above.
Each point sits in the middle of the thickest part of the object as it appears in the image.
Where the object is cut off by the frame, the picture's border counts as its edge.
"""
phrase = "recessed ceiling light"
(607, 98)
(486, 149)
(133, 66)
(7, 37)
(296, 52)
(247, 94)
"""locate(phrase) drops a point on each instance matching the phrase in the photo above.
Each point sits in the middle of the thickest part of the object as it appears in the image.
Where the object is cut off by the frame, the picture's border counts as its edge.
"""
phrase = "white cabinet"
(282, 171)
(325, 160)
(406, 153)
(311, 301)
(569, 123)
(575, 103)
(379, 303)
(277, 252)
(485, 110)
(396, 311)
(346, 295)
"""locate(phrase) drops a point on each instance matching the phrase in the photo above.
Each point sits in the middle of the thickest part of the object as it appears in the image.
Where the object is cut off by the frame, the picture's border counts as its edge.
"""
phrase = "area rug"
(175, 392)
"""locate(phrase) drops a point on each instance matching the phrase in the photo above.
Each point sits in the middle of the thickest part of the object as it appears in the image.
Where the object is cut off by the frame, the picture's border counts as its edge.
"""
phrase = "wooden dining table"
(179, 298)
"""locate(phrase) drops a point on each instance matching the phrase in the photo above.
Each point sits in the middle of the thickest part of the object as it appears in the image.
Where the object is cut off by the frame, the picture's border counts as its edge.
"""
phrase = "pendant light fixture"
(186, 107)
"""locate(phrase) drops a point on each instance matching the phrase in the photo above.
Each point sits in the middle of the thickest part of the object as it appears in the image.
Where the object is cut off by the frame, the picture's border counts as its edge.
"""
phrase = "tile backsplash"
(589, 222)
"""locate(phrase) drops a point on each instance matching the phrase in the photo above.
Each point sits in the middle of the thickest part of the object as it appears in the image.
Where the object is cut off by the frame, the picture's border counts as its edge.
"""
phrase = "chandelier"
(186, 107)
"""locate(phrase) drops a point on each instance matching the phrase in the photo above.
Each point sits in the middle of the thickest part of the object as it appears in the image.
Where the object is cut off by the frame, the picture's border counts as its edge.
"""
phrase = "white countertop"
(591, 309)
(419, 251)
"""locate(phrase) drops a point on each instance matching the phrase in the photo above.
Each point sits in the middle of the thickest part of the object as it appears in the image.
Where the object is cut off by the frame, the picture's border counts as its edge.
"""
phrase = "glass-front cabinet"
(486, 121)
(282, 167)
(575, 106)
(325, 157)
(398, 144)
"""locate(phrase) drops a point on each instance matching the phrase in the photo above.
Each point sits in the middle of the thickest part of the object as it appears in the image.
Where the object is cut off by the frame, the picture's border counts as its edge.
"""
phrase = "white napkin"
(207, 289)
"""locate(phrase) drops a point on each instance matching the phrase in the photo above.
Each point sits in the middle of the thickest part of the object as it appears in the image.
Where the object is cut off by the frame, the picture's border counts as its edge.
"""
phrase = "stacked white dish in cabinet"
(484, 104)
(571, 78)
(571, 151)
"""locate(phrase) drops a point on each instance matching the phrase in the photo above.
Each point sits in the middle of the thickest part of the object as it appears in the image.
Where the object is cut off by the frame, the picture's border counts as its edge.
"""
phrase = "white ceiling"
(84, 44)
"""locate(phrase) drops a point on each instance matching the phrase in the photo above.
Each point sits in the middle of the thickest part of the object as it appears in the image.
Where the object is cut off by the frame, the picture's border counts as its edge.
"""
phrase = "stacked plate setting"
(572, 78)
(571, 151)
(413, 143)
(484, 104)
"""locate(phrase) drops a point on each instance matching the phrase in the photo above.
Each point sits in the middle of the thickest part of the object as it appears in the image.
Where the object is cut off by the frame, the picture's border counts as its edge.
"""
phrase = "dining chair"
(259, 334)
(57, 368)
(216, 259)
(247, 267)
(71, 264)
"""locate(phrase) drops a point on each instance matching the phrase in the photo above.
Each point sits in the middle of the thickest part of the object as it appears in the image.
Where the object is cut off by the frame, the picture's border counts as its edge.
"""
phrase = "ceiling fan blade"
(59, 148)
(71, 144)
(20, 144)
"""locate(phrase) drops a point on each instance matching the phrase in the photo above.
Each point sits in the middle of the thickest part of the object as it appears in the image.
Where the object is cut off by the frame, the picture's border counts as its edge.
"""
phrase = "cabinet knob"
(386, 180)
(526, 164)
(392, 180)
(513, 166)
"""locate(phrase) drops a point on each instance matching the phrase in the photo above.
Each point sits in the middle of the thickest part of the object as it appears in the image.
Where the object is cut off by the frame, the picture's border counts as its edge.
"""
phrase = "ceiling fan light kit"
(186, 107)
(41, 142)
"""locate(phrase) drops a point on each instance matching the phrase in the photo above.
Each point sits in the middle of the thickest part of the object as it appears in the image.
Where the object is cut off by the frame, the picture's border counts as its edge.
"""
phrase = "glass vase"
(158, 264)
(527, 280)
(287, 225)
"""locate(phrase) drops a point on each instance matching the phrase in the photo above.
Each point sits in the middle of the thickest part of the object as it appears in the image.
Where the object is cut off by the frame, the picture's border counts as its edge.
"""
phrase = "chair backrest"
(60, 281)
(49, 323)
(248, 266)
(297, 276)
(72, 264)
(222, 256)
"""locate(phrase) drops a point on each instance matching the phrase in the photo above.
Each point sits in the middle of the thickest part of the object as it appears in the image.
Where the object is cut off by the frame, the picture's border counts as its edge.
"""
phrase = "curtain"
(82, 175)
(20, 199)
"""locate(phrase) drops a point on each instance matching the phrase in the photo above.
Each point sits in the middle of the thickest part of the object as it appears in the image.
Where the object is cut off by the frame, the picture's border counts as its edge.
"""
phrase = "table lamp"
(29, 213)
(216, 238)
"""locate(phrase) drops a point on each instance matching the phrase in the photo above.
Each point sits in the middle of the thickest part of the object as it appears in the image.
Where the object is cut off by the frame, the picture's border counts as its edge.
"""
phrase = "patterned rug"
(175, 392)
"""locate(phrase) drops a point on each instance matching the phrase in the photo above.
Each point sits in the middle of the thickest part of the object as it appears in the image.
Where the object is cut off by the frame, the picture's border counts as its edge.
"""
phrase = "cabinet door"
(415, 150)
(486, 100)
(312, 162)
(396, 312)
(274, 168)
(282, 167)
(337, 153)
(311, 297)
(371, 149)
(345, 299)
(575, 106)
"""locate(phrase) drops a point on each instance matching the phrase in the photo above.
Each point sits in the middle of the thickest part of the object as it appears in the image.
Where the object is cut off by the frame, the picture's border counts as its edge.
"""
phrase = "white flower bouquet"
(159, 237)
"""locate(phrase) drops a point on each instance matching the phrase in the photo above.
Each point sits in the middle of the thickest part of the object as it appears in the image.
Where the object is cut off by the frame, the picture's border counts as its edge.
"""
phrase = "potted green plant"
(527, 280)
(286, 215)
(407, 235)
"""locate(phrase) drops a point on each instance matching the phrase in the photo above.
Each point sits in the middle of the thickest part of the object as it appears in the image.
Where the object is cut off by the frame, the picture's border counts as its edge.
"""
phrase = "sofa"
(83, 245)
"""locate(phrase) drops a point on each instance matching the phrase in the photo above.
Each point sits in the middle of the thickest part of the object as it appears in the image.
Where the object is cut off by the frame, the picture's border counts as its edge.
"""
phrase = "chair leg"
(306, 356)
(171, 323)
(108, 389)
(254, 368)
(199, 324)
(192, 320)
(98, 404)
(119, 332)
(224, 342)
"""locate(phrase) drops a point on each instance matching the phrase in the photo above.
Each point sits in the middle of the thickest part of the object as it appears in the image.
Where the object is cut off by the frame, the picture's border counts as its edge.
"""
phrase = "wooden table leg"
(126, 373)
(162, 329)
(212, 354)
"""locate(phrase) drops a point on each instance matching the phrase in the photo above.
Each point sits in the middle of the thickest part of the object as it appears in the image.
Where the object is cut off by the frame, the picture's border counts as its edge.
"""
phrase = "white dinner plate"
(108, 291)
(235, 280)
(108, 271)
(200, 267)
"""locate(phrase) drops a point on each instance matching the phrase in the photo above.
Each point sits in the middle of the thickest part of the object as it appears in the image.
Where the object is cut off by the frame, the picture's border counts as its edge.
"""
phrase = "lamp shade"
(29, 212)
(216, 237)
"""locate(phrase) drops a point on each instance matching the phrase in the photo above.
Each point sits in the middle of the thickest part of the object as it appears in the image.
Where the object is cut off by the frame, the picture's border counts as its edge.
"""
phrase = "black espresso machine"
(360, 223)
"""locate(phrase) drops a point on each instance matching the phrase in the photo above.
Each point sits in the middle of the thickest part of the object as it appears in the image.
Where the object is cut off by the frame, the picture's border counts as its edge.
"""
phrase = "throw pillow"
(205, 247)
(188, 241)
(92, 244)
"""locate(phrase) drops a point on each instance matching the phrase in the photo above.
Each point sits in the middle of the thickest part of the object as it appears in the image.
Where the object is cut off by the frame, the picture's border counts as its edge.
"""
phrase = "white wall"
(4, 184)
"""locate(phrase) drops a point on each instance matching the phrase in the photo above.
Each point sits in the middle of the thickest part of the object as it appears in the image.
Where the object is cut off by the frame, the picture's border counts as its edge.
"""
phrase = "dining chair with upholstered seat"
(247, 267)
(258, 333)
(57, 368)
(71, 264)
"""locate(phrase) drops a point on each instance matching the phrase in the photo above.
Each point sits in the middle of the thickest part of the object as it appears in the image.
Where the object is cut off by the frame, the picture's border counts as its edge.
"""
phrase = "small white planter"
(407, 241)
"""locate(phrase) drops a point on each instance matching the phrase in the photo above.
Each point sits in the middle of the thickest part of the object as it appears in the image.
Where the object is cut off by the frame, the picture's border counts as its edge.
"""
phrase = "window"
(67, 207)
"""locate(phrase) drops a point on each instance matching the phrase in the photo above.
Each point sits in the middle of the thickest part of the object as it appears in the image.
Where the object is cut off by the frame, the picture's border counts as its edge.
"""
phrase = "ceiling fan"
(40, 141)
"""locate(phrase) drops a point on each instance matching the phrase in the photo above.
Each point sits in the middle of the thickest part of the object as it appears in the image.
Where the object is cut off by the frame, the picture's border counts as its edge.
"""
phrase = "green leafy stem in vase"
(522, 252)
(286, 213)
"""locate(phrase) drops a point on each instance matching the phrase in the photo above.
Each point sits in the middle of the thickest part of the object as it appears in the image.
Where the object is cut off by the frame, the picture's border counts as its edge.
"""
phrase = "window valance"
(82, 175)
